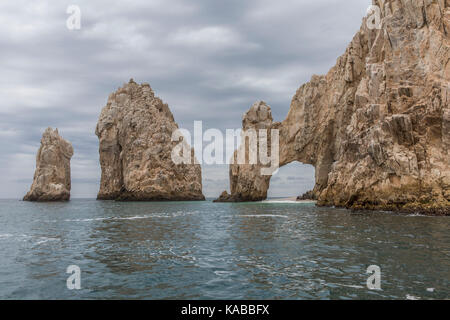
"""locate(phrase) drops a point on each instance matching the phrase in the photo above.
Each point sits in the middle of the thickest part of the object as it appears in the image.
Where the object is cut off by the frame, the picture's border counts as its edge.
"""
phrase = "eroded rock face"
(377, 126)
(246, 181)
(135, 132)
(52, 176)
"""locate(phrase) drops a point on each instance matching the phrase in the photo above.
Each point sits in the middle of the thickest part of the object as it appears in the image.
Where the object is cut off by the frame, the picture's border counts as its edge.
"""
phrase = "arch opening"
(291, 180)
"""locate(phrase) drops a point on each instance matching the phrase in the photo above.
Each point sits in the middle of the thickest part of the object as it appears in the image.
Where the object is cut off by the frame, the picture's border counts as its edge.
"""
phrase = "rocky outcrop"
(135, 132)
(307, 196)
(52, 176)
(377, 126)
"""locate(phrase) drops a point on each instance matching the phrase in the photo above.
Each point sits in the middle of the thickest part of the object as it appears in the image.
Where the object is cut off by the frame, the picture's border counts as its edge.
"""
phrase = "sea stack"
(52, 176)
(376, 127)
(135, 132)
(246, 181)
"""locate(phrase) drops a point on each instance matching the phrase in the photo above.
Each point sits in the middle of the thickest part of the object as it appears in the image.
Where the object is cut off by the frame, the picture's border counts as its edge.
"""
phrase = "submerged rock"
(376, 127)
(226, 197)
(135, 132)
(307, 196)
(52, 176)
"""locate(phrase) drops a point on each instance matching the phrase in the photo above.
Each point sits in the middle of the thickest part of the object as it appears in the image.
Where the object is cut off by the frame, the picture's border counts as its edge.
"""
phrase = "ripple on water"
(205, 250)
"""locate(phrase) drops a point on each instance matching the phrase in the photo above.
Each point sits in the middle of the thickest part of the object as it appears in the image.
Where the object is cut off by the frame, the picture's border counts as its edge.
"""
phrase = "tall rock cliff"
(52, 176)
(135, 132)
(377, 126)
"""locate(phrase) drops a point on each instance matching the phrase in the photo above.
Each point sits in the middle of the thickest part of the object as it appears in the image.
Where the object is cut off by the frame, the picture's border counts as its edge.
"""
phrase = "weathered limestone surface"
(377, 126)
(52, 176)
(135, 130)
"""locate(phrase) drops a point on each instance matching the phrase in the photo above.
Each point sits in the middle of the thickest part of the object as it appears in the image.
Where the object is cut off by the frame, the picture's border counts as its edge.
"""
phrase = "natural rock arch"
(293, 180)
(376, 127)
(246, 181)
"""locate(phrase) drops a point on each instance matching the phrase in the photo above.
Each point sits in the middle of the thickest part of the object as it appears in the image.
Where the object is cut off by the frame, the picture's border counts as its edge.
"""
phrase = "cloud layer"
(209, 60)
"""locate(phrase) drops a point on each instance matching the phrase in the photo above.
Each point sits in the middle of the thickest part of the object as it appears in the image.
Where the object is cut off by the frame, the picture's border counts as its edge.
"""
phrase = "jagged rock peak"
(135, 130)
(258, 116)
(52, 176)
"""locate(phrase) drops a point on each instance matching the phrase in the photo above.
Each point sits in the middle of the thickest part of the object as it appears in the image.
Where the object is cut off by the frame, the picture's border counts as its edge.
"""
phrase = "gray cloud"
(209, 60)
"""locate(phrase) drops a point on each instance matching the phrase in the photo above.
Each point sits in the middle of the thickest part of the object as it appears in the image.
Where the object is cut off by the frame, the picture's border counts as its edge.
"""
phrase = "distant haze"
(209, 60)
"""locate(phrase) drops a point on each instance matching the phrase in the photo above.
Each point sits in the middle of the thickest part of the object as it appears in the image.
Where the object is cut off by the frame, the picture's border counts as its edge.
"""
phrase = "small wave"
(139, 217)
(416, 214)
(25, 237)
(116, 218)
(410, 297)
(352, 286)
(45, 240)
(289, 201)
(86, 220)
(347, 285)
(262, 216)
(222, 273)
(14, 236)
(147, 216)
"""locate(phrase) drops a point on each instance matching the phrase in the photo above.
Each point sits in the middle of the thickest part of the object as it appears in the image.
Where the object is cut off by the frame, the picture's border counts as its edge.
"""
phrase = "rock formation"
(52, 176)
(377, 126)
(135, 132)
(307, 196)
(246, 181)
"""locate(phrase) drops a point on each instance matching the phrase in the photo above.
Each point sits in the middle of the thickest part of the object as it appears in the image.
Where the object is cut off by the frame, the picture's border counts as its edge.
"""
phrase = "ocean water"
(203, 250)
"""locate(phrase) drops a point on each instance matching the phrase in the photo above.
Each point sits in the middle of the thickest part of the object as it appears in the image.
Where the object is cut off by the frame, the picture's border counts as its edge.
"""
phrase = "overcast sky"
(209, 60)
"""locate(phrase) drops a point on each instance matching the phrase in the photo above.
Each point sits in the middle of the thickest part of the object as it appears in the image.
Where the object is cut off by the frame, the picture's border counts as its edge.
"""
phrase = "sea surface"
(203, 250)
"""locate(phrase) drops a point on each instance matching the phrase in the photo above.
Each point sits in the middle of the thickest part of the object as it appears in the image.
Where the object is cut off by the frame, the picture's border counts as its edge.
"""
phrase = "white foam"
(139, 217)
(117, 218)
(352, 286)
(262, 216)
(86, 220)
(45, 240)
(147, 216)
(25, 237)
(15, 236)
